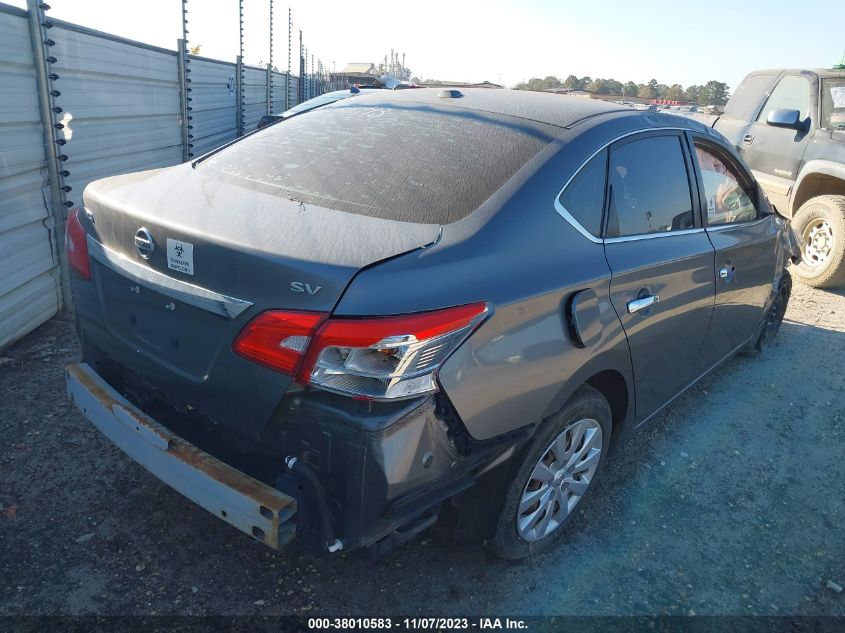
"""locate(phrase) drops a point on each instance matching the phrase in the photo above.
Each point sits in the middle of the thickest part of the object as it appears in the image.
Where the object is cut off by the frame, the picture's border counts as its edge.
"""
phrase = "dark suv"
(789, 126)
(417, 304)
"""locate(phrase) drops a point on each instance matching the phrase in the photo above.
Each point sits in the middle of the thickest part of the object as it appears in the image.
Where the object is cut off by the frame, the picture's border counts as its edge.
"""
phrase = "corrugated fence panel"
(255, 96)
(279, 87)
(29, 286)
(294, 90)
(121, 113)
(214, 103)
(121, 106)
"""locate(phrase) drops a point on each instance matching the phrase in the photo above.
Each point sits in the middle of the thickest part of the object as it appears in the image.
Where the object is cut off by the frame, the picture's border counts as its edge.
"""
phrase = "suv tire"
(820, 224)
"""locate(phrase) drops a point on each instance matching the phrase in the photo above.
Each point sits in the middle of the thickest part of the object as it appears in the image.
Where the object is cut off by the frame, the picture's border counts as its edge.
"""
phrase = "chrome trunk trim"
(229, 307)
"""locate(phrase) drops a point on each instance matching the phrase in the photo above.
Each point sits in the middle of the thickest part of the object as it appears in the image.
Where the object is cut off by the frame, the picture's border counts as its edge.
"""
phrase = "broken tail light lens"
(76, 245)
(375, 358)
(278, 339)
(387, 358)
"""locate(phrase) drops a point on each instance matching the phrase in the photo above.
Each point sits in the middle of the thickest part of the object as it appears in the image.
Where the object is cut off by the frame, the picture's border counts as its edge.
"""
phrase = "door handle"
(748, 139)
(644, 302)
(728, 273)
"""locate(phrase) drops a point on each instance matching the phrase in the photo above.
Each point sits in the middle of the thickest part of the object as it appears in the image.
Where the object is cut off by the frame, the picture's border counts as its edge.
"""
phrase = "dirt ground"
(731, 501)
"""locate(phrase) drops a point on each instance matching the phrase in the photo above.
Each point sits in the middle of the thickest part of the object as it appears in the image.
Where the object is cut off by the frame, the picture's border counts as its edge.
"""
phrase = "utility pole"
(300, 87)
(54, 142)
(270, 66)
(240, 71)
(287, 79)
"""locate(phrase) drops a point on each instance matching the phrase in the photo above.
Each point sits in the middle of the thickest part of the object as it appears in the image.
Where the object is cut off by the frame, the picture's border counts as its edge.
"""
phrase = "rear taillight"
(76, 245)
(278, 339)
(387, 358)
(378, 358)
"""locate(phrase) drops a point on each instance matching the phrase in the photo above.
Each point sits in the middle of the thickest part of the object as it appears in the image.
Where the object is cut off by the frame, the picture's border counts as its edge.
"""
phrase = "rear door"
(661, 261)
(744, 237)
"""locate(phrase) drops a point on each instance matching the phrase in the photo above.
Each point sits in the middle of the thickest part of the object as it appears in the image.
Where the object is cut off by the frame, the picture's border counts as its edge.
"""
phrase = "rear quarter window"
(398, 161)
(583, 197)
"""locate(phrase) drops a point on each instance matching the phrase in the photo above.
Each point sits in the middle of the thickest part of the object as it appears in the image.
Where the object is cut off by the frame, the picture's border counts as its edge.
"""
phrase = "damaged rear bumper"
(253, 507)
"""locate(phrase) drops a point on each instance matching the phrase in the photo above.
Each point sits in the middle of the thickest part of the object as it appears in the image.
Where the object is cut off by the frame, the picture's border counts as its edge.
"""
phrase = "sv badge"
(299, 286)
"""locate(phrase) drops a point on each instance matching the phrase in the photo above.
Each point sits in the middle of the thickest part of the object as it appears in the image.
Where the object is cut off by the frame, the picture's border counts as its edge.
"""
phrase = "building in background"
(390, 73)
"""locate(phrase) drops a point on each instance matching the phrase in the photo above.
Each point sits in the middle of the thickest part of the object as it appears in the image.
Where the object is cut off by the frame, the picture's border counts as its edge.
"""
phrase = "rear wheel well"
(611, 384)
(817, 185)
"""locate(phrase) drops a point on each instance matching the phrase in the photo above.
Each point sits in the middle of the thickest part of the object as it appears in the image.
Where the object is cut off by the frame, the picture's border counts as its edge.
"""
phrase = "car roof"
(824, 73)
(559, 110)
(830, 73)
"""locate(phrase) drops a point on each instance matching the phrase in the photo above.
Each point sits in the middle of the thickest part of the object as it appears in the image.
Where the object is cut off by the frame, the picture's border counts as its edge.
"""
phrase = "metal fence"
(77, 105)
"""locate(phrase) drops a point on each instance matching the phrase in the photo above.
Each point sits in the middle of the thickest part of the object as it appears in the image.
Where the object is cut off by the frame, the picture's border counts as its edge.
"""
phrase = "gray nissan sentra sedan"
(417, 305)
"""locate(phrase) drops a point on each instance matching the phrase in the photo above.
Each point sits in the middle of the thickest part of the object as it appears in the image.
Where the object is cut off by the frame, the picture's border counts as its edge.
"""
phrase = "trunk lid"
(221, 253)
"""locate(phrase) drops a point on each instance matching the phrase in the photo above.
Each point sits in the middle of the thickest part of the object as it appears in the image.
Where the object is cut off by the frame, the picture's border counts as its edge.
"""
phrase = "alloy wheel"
(559, 479)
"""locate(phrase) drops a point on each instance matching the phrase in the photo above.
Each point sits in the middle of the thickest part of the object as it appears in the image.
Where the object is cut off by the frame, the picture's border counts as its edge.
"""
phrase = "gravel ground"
(729, 502)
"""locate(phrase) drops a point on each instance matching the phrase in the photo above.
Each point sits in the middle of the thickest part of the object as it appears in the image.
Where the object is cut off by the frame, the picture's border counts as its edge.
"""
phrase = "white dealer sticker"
(180, 256)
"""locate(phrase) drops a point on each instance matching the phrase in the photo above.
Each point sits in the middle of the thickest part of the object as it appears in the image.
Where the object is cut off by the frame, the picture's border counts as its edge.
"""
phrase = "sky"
(503, 41)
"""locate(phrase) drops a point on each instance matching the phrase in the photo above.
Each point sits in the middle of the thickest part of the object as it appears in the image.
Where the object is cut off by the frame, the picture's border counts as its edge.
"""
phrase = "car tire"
(820, 225)
(587, 408)
(775, 313)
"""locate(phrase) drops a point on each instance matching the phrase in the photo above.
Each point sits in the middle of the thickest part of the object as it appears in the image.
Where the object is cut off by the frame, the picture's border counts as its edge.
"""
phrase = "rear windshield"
(398, 161)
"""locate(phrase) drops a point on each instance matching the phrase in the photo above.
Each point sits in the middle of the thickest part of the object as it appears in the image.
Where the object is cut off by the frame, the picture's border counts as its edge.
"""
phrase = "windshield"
(833, 104)
(399, 161)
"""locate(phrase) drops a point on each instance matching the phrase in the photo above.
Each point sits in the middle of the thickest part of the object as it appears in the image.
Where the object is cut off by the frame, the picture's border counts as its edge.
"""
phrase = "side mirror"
(784, 117)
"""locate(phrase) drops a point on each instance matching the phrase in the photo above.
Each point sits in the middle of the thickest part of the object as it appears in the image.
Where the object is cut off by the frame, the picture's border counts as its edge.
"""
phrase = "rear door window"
(650, 190)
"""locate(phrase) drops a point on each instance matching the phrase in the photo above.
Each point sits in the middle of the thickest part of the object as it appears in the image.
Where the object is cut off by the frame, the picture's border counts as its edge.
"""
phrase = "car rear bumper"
(253, 507)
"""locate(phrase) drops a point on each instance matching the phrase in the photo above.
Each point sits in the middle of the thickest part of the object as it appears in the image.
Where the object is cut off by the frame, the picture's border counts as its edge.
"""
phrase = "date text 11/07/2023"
(417, 624)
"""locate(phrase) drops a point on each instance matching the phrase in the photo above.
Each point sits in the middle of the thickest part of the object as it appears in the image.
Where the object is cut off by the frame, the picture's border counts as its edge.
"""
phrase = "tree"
(549, 82)
(714, 93)
(649, 90)
(614, 87)
(572, 82)
(645, 91)
(598, 86)
(693, 93)
(675, 92)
